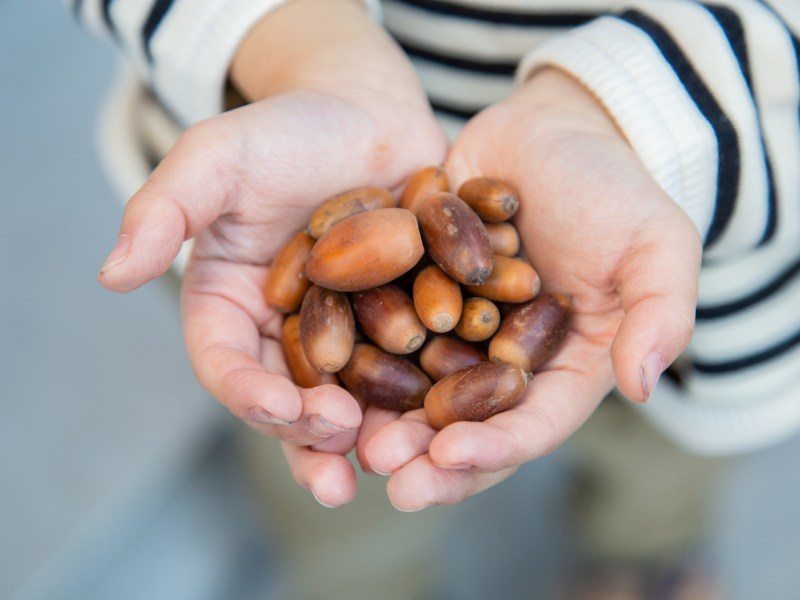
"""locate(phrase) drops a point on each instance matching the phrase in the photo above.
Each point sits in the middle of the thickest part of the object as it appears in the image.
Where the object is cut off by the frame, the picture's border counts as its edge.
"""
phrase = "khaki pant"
(636, 498)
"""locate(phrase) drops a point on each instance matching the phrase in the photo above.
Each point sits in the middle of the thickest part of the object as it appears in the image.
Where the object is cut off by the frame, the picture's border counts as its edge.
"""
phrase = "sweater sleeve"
(182, 49)
(709, 97)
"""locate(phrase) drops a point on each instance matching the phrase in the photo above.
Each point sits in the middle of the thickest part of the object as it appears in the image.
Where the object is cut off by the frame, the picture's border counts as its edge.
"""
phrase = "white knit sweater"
(708, 94)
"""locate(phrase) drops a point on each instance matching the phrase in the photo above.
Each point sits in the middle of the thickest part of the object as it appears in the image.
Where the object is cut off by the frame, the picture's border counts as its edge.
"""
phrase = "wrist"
(308, 44)
(553, 93)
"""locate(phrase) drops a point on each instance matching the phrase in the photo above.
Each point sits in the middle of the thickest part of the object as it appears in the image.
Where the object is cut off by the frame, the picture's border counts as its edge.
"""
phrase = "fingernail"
(377, 472)
(118, 254)
(459, 467)
(321, 503)
(322, 427)
(260, 415)
(413, 510)
(650, 371)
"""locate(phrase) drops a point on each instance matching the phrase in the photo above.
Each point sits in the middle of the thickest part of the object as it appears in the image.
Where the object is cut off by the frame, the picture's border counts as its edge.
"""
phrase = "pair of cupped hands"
(336, 105)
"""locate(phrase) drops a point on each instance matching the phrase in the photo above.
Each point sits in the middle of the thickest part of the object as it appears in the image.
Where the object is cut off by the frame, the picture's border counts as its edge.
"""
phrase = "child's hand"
(595, 225)
(343, 109)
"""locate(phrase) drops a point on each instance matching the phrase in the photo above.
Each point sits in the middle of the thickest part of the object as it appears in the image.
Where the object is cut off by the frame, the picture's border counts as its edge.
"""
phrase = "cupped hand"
(241, 184)
(595, 225)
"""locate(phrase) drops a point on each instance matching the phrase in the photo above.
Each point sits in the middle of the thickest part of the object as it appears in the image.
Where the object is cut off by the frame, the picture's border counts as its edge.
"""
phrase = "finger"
(398, 442)
(185, 193)
(375, 418)
(329, 419)
(658, 289)
(421, 484)
(555, 404)
(329, 477)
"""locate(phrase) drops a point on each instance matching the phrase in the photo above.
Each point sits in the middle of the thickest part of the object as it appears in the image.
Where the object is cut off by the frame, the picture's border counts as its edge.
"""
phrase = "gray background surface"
(116, 474)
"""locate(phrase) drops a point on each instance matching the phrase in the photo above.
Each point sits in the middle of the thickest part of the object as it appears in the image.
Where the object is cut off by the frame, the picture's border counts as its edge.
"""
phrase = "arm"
(348, 112)
(628, 180)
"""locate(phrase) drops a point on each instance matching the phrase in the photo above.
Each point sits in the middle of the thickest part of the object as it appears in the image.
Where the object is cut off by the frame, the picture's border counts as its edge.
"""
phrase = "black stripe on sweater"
(459, 62)
(733, 29)
(453, 111)
(717, 368)
(502, 16)
(112, 29)
(729, 158)
(709, 313)
(77, 8)
(157, 12)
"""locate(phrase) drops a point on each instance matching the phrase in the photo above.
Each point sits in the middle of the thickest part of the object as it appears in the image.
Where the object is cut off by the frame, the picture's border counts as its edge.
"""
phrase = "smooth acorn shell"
(327, 329)
(384, 379)
(286, 281)
(531, 333)
(474, 393)
(422, 184)
(511, 280)
(446, 354)
(437, 299)
(387, 316)
(366, 250)
(494, 200)
(480, 318)
(456, 238)
(504, 238)
(339, 207)
(303, 372)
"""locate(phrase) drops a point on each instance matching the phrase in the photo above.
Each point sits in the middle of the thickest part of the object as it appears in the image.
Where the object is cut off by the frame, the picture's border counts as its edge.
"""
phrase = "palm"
(595, 225)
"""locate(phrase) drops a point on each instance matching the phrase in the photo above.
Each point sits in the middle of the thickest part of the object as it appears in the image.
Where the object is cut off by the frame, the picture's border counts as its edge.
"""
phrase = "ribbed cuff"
(623, 68)
(194, 47)
(721, 428)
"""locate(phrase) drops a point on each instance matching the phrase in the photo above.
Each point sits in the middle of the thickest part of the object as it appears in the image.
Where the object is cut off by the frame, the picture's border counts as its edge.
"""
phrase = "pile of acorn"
(392, 298)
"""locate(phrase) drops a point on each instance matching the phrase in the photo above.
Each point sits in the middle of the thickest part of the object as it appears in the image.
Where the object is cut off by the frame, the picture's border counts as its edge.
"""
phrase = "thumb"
(658, 287)
(185, 193)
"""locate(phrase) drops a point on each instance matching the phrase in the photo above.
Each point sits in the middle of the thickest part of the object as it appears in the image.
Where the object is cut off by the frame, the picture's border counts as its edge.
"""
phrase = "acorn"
(511, 280)
(474, 393)
(383, 379)
(445, 354)
(504, 238)
(456, 238)
(303, 372)
(422, 184)
(531, 333)
(339, 207)
(437, 299)
(480, 318)
(494, 200)
(387, 316)
(286, 281)
(327, 329)
(366, 250)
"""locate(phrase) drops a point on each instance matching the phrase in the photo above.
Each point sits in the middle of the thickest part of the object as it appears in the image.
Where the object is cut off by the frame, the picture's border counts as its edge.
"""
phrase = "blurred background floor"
(118, 476)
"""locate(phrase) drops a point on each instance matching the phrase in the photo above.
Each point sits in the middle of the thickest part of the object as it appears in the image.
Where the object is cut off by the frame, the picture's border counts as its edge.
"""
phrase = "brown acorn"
(327, 329)
(504, 238)
(494, 200)
(474, 393)
(422, 184)
(286, 281)
(445, 354)
(531, 333)
(511, 280)
(383, 379)
(338, 208)
(387, 316)
(437, 299)
(456, 238)
(366, 250)
(303, 372)
(480, 318)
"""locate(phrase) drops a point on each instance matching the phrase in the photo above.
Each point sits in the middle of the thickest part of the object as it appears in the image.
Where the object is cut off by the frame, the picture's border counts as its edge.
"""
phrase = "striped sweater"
(707, 93)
